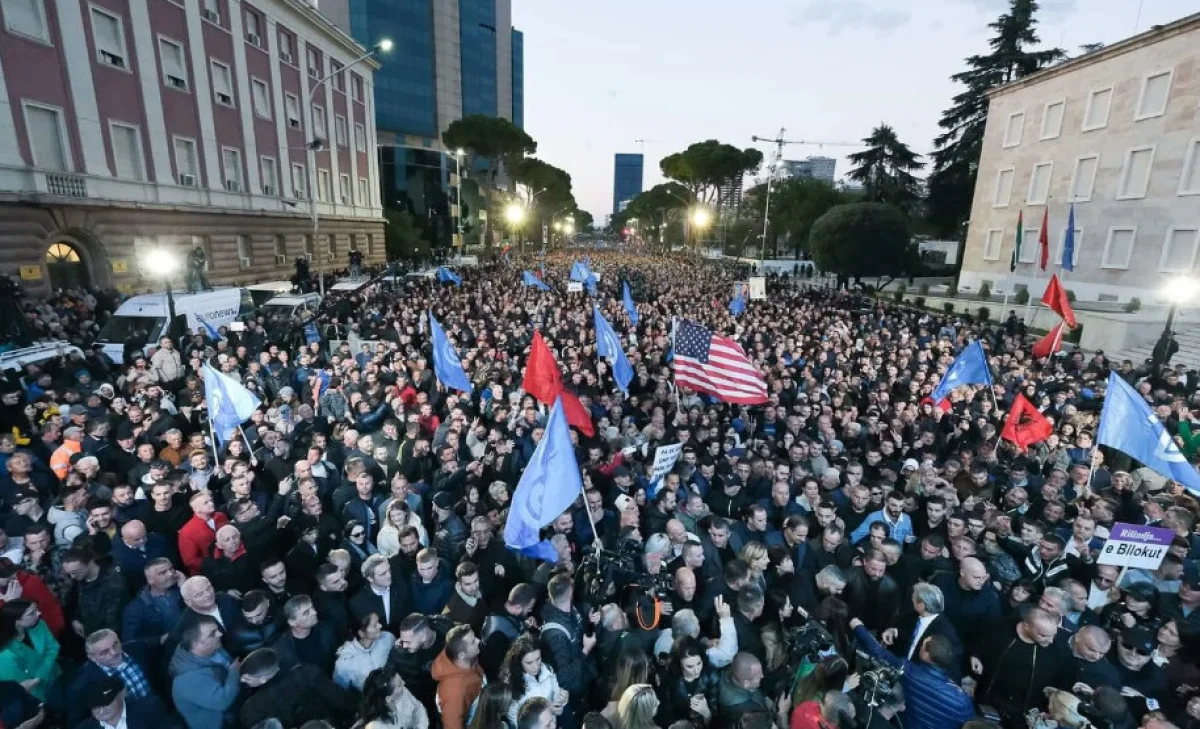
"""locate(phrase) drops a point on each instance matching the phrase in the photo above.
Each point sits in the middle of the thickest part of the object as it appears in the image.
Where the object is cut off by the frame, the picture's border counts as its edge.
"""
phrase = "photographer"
(931, 699)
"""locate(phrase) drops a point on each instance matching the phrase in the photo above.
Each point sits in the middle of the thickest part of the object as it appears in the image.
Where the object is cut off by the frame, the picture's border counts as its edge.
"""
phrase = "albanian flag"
(544, 381)
(1056, 298)
(1025, 425)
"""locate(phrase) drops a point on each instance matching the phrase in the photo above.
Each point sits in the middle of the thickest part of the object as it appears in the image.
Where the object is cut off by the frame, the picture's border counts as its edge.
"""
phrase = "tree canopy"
(796, 204)
(861, 239)
(705, 168)
(492, 138)
(957, 150)
(886, 169)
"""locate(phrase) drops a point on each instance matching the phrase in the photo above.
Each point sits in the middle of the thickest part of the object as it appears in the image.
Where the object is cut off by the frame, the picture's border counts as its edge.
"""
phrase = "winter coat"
(67, 524)
(407, 713)
(34, 589)
(457, 690)
(296, 696)
(354, 662)
(21, 661)
(167, 364)
(562, 636)
(204, 689)
(545, 685)
(99, 603)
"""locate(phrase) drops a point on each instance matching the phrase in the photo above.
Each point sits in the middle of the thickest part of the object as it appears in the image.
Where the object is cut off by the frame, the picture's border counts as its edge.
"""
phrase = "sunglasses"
(358, 535)
(1139, 649)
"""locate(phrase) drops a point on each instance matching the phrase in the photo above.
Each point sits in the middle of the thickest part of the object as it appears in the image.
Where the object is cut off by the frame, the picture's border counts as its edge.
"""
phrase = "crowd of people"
(848, 555)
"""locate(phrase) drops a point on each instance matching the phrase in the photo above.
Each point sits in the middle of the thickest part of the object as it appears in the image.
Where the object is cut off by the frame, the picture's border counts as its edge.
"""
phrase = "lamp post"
(700, 218)
(1179, 291)
(687, 204)
(163, 263)
(316, 144)
(515, 215)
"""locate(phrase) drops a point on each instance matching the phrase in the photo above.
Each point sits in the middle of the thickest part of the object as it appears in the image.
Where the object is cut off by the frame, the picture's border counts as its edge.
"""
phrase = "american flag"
(716, 365)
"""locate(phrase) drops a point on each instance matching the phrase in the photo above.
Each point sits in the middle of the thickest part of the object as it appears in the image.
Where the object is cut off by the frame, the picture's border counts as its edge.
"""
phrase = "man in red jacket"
(196, 537)
(17, 584)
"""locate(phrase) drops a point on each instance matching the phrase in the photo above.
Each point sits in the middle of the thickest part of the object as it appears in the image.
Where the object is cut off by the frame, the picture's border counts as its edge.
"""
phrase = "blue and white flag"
(212, 331)
(446, 365)
(590, 283)
(229, 403)
(445, 275)
(1068, 257)
(608, 345)
(579, 271)
(630, 307)
(969, 368)
(1128, 424)
(737, 305)
(547, 488)
(529, 279)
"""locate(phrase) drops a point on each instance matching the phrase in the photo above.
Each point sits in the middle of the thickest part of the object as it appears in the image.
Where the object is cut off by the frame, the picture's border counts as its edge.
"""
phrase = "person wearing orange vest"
(60, 460)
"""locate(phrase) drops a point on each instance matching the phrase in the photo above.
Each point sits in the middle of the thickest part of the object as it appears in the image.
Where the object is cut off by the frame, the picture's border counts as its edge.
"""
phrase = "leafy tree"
(583, 220)
(401, 236)
(886, 170)
(796, 204)
(957, 149)
(492, 143)
(862, 239)
(655, 208)
(705, 168)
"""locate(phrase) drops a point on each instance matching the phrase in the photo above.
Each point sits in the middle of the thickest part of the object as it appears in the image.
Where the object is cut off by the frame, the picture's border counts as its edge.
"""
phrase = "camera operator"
(931, 699)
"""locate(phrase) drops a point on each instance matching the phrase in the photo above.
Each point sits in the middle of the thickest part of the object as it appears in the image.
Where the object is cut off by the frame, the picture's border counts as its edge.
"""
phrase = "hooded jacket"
(354, 662)
(457, 690)
(204, 688)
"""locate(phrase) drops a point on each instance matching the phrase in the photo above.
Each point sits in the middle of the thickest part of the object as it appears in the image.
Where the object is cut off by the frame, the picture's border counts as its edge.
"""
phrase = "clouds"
(1049, 7)
(852, 15)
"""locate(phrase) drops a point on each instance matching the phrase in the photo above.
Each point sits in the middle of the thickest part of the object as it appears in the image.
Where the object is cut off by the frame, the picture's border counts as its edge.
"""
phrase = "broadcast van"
(145, 318)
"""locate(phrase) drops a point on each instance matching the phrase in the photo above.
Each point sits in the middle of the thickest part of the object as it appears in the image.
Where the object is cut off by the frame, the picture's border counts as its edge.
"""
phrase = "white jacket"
(409, 714)
(545, 684)
(354, 662)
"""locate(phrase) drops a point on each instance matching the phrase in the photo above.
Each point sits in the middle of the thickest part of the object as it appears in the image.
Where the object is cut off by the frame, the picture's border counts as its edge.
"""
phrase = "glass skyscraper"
(627, 180)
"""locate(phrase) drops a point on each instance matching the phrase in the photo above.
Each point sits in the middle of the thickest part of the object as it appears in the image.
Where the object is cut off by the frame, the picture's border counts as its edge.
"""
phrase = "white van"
(146, 317)
(267, 290)
(14, 360)
(288, 305)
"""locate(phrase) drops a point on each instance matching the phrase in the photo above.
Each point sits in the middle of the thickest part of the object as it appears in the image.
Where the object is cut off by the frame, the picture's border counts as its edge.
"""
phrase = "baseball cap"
(103, 692)
(623, 502)
(1139, 639)
(442, 500)
(24, 494)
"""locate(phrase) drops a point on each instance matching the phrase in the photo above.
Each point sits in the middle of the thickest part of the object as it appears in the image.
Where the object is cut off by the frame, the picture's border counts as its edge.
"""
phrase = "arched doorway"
(65, 267)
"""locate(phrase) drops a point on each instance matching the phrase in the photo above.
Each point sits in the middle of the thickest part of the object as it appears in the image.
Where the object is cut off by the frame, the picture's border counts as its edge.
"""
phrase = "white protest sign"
(664, 459)
(758, 288)
(574, 287)
(1136, 546)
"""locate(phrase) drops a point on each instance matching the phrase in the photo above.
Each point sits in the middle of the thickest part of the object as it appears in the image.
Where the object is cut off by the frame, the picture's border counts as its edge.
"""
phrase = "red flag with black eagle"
(1025, 425)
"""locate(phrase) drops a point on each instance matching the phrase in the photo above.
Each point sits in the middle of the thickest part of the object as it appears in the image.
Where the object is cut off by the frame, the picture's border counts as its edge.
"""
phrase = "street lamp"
(1178, 291)
(458, 155)
(317, 144)
(161, 262)
(700, 217)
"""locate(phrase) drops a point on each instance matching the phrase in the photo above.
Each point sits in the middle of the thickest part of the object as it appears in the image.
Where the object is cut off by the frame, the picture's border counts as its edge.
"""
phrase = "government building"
(1116, 133)
(131, 126)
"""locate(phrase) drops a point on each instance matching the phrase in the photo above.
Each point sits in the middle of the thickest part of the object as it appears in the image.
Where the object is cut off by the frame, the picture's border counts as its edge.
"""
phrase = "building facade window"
(314, 62)
(1029, 244)
(222, 83)
(127, 151)
(1052, 119)
(344, 189)
(364, 196)
(1002, 193)
(260, 94)
(211, 11)
(324, 194)
(1156, 91)
(341, 134)
(299, 182)
(1135, 175)
(26, 18)
(992, 243)
(287, 48)
(245, 251)
(1189, 180)
(47, 137)
(108, 35)
(1179, 250)
(319, 127)
(1083, 179)
(254, 28)
(1039, 183)
(1014, 130)
(1118, 248)
(268, 176)
(1095, 115)
(185, 162)
(291, 106)
(360, 138)
(231, 161)
(338, 80)
(174, 64)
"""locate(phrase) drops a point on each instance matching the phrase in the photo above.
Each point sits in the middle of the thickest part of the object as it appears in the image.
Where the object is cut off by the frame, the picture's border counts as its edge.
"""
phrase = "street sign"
(1139, 547)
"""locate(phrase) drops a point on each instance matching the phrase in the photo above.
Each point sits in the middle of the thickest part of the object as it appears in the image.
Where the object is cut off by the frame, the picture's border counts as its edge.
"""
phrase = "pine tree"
(957, 149)
(886, 170)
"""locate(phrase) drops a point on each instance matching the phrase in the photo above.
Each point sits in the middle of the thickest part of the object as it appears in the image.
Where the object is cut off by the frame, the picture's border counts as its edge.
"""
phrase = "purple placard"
(1142, 534)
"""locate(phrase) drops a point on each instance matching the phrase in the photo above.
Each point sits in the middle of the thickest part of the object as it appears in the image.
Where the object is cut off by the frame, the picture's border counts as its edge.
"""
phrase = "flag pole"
(216, 452)
(591, 519)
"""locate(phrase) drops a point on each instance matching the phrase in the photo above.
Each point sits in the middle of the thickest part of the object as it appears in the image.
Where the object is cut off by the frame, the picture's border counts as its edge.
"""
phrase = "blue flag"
(608, 345)
(737, 305)
(969, 368)
(590, 283)
(580, 271)
(529, 279)
(446, 364)
(547, 488)
(229, 403)
(445, 275)
(212, 331)
(542, 269)
(1068, 259)
(311, 334)
(630, 307)
(1128, 424)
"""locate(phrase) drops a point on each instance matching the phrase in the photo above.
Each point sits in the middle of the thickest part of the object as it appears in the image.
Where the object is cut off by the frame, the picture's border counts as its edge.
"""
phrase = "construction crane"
(780, 142)
(642, 143)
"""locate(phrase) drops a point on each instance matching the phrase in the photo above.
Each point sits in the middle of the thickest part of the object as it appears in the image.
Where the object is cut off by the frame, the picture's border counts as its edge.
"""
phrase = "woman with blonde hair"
(632, 668)
(637, 707)
(755, 555)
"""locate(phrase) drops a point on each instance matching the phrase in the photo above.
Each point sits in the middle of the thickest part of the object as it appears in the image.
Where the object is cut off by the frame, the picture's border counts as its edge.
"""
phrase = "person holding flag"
(969, 368)
(1128, 425)
(627, 300)
(445, 275)
(608, 345)
(550, 484)
(229, 403)
(446, 365)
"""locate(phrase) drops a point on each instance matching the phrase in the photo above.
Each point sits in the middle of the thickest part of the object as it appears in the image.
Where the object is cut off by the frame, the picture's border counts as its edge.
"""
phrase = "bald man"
(135, 548)
(970, 596)
(739, 692)
(1089, 648)
(1013, 671)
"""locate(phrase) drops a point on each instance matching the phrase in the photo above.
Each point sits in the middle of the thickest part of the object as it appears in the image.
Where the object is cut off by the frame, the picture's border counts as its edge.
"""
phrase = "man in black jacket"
(293, 696)
(307, 640)
(386, 597)
(750, 602)
(419, 641)
(871, 594)
(501, 628)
